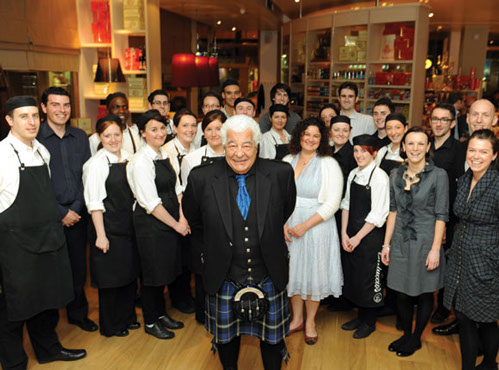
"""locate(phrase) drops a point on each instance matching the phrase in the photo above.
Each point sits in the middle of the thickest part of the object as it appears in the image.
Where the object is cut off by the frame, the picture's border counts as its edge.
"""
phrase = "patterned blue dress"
(315, 262)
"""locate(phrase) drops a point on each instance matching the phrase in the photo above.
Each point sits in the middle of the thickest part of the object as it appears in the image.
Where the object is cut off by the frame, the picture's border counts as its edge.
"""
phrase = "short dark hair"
(349, 85)
(151, 114)
(279, 86)
(294, 144)
(213, 94)
(53, 90)
(486, 134)
(417, 130)
(152, 95)
(112, 96)
(455, 97)
(385, 101)
(332, 106)
(213, 116)
(396, 117)
(229, 82)
(448, 107)
(182, 112)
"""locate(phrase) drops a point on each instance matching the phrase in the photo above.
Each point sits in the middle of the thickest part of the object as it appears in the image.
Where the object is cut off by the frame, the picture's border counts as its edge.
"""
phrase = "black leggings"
(272, 354)
(471, 333)
(405, 308)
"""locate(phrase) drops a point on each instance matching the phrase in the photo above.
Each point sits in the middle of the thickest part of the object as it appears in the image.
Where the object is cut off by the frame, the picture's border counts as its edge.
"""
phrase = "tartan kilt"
(222, 323)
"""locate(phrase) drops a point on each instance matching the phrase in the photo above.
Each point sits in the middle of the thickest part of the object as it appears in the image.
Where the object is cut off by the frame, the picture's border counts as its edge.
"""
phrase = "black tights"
(405, 307)
(471, 334)
(271, 354)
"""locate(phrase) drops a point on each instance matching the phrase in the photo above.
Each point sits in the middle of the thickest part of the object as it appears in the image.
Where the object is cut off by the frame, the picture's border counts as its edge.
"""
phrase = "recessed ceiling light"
(219, 23)
(431, 15)
(233, 28)
(297, 1)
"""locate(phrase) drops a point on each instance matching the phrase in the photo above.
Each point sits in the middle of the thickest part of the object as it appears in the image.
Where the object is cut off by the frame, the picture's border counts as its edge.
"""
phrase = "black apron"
(34, 259)
(119, 266)
(388, 165)
(362, 267)
(281, 150)
(158, 244)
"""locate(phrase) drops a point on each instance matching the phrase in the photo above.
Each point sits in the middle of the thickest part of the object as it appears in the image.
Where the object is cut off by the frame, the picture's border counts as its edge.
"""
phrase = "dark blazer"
(206, 205)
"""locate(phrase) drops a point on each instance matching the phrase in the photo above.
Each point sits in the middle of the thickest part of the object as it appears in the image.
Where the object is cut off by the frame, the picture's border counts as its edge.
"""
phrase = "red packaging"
(380, 78)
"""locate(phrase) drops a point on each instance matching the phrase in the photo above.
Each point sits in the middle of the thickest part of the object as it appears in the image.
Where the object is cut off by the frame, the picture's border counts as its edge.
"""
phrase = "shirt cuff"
(376, 221)
(149, 207)
(63, 211)
(95, 206)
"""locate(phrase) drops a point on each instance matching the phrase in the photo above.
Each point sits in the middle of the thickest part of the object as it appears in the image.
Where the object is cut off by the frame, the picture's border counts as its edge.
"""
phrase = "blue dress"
(315, 262)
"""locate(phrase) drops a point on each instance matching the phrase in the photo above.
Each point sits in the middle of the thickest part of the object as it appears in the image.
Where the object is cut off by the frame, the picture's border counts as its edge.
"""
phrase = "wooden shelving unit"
(364, 27)
(120, 40)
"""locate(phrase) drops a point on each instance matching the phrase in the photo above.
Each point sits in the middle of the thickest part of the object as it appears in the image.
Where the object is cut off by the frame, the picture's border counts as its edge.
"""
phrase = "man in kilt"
(240, 205)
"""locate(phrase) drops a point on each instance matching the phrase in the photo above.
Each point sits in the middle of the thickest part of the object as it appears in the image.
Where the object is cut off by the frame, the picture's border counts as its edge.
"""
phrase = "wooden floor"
(190, 349)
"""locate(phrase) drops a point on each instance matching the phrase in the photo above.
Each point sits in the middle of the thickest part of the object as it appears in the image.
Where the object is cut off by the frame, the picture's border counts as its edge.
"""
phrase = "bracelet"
(387, 246)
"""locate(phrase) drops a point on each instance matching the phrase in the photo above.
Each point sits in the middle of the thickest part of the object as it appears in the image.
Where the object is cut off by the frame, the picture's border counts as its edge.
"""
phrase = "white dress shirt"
(199, 135)
(361, 124)
(141, 173)
(380, 192)
(269, 140)
(173, 148)
(194, 159)
(126, 143)
(95, 173)
(391, 155)
(9, 166)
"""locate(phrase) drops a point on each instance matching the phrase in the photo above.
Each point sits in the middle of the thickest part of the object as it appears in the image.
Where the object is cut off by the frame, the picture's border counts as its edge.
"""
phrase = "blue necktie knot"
(243, 199)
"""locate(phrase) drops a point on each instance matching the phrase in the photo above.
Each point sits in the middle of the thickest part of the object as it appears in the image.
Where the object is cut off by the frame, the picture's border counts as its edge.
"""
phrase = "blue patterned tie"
(243, 199)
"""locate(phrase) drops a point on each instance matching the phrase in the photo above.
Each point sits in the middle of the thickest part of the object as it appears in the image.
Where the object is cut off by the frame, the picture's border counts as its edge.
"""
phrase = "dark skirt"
(222, 323)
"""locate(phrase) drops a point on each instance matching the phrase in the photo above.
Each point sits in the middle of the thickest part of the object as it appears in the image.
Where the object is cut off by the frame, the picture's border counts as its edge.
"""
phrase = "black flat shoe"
(159, 331)
(133, 325)
(169, 323)
(121, 333)
(364, 331)
(85, 324)
(351, 325)
(394, 346)
(65, 355)
(449, 329)
(409, 347)
(407, 353)
(440, 315)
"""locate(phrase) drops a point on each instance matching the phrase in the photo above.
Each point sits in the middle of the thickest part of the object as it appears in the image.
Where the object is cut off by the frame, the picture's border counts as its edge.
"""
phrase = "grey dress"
(417, 211)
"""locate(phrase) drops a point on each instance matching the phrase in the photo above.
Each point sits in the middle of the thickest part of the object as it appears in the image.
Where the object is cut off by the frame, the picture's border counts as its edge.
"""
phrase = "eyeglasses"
(213, 106)
(164, 103)
(443, 120)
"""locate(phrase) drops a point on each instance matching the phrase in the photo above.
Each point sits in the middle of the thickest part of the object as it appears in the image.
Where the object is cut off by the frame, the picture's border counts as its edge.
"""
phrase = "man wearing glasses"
(160, 101)
(211, 101)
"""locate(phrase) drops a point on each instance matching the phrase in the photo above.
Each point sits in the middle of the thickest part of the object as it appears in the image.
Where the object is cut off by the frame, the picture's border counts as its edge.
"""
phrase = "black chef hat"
(366, 140)
(396, 117)
(247, 100)
(18, 102)
(340, 118)
(147, 116)
(111, 118)
(278, 108)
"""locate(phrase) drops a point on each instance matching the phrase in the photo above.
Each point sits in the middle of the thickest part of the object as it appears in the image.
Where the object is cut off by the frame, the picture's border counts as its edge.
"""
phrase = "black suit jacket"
(206, 205)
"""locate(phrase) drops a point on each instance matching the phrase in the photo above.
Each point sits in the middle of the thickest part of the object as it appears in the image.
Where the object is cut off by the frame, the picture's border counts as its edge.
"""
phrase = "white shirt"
(391, 155)
(126, 144)
(361, 124)
(141, 173)
(95, 173)
(269, 140)
(380, 192)
(199, 135)
(9, 165)
(173, 148)
(194, 159)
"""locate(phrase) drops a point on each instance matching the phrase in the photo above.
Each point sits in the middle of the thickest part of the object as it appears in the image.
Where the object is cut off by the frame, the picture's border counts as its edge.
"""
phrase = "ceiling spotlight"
(297, 1)
(431, 15)
(439, 28)
(219, 23)
(233, 28)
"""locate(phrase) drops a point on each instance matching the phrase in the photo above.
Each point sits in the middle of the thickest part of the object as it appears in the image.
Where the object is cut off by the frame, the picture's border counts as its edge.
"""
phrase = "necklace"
(410, 178)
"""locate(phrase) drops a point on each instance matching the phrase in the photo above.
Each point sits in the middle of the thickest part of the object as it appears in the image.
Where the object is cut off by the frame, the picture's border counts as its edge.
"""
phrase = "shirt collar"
(366, 172)
(211, 153)
(113, 158)
(389, 148)
(277, 136)
(180, 147)
(355, 114)
(46, 130)
(447, 143)
(231, 172)
(152, 154)
(20, 146)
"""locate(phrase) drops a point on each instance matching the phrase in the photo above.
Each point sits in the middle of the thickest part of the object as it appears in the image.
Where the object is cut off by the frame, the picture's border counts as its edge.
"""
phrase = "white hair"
(241, 123)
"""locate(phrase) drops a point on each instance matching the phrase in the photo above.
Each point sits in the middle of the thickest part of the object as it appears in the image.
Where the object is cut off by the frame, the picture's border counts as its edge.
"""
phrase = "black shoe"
(440, 315)
(364, 331)
(133, 325)
(186, 306)
(449, 329)
(351, 325)
(121, 333)
(169, 323)
(159, 331)
(85, 324)
(65, 355)
(394, 346)
(483, 366)
(408, 348)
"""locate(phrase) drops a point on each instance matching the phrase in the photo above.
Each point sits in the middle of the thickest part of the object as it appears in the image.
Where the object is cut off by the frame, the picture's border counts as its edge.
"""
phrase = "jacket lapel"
(481, 186)
(222, 193)
(263, 190)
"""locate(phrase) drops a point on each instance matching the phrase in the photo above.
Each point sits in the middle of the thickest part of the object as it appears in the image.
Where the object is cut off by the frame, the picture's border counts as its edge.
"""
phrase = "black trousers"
(180, 288)
(41, 330)
(272, 355)
(76, 239)
(153, 303)
(368, 315)
(116, 309)
(199, 299)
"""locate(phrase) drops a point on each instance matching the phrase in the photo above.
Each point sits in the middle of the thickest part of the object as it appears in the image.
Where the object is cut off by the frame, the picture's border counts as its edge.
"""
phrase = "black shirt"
(67, 156)
(381, 142)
